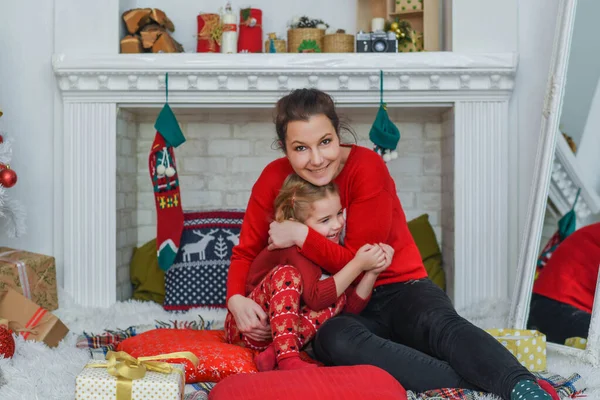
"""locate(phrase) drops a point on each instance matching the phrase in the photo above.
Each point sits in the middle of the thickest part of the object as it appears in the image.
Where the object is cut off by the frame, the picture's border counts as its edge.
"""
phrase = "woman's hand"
(249, 317)
(389, 255)
(370, 257)
(286, 234)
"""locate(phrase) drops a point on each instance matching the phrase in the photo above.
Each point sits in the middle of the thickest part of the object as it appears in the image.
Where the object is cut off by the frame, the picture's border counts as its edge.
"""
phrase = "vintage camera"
(376, 42)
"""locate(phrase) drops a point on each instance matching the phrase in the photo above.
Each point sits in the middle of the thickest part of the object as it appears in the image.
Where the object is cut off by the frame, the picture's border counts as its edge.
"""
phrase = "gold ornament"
(394, 26)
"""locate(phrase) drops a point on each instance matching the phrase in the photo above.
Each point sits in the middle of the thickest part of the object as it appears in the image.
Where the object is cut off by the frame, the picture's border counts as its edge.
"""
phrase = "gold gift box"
(98, 384)
(528, 346)
(32, 275)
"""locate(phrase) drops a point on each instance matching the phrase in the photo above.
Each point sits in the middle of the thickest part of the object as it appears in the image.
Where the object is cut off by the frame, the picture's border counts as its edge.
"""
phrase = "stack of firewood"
(149, 32)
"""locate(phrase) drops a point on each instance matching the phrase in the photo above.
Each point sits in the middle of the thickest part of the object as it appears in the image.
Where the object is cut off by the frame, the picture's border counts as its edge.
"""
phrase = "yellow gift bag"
(528, 346)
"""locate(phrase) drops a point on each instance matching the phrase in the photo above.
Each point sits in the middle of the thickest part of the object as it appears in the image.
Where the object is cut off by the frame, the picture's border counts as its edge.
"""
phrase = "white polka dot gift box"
(528, 346)
(123, 377)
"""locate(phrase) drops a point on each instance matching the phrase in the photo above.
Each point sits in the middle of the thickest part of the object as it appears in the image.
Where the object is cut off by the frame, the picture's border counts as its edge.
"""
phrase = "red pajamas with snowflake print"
(295, 298)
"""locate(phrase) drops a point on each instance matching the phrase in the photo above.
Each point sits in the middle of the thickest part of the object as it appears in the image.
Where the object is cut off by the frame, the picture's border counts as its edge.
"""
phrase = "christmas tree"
(12, 213)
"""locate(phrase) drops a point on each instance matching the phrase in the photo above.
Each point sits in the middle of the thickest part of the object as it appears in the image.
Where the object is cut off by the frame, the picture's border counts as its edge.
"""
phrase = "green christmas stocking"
(163, 173)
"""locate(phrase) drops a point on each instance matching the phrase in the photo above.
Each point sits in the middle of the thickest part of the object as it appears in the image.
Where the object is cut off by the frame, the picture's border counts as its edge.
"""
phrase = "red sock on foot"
(266, 360)
(294, 363)
(548, 388)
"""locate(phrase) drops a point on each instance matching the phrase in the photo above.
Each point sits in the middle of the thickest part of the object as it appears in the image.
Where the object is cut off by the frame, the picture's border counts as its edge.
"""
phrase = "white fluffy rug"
(37, 372)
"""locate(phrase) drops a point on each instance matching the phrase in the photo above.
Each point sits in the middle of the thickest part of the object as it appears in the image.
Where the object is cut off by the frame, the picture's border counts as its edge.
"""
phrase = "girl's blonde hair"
(296, 196)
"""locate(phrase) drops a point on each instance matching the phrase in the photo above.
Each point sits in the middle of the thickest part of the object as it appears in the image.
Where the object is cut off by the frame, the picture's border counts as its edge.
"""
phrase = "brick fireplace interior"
(225, 150)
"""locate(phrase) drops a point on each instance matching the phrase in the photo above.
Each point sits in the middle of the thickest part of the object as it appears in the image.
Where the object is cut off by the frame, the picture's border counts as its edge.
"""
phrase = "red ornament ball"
(1, 139)
(7, 342)
(8, 178)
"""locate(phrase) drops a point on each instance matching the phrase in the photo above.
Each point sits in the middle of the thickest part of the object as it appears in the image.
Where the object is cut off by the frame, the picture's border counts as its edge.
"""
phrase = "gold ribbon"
(211, 31)
(127, 368)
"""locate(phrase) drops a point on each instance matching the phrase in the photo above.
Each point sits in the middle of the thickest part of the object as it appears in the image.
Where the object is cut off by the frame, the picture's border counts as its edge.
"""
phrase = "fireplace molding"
(478, 86)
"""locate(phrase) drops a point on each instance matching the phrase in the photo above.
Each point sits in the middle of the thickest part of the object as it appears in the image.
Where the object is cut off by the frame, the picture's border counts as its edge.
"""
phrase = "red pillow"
(363, 382)
(216, 358)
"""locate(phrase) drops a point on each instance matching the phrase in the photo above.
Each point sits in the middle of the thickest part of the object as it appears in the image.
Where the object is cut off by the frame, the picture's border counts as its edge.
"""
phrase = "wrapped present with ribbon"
(413, 43)
(250, 38)
(529, 346)
(30, 320)
(33, 275)
(209, 33)
(123, 377)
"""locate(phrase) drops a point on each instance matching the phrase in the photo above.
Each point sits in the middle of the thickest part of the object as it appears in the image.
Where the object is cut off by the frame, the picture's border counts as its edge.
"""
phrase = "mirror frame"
(538, 197)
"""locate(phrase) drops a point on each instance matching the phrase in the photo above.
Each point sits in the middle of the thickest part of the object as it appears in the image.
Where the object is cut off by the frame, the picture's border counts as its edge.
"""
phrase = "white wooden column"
(90, 203)
(481, 194)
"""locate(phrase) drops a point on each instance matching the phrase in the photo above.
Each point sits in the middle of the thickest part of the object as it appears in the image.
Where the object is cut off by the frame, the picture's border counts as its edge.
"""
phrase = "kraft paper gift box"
(529, 346)
(100, 380)
(30, 320)
(31, 274)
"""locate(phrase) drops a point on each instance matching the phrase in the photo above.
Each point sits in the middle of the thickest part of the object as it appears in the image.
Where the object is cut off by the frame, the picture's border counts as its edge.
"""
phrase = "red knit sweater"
(571, 273)
(317, 294)
(374, 215)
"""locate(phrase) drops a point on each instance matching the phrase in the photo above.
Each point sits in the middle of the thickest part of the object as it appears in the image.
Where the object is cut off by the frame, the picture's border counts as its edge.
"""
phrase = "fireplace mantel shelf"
(259, 79)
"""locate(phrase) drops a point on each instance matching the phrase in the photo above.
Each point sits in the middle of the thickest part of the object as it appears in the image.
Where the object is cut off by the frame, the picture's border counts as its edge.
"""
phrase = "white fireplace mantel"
(478, 86)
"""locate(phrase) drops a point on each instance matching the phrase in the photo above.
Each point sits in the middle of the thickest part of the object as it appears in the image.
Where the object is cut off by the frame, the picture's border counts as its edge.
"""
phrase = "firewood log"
(131, 44)
(135, 19)
(150, 34)
(161, 19)
(166, 44)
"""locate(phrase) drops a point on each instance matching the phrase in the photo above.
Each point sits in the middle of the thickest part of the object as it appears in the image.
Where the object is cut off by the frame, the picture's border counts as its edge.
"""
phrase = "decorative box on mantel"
(477, 86)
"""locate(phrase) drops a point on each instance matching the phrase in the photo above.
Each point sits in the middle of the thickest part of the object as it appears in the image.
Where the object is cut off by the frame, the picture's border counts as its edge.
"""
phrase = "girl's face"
(326, 217)
(313, 149)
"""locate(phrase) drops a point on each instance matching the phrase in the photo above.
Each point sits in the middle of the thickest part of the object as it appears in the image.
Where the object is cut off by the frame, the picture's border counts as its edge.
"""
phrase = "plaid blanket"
(565, 387)
(100, 344)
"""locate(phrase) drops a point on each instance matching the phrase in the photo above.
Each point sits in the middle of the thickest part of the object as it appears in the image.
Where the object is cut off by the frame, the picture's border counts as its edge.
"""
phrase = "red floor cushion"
(216, 358)
(364, 382)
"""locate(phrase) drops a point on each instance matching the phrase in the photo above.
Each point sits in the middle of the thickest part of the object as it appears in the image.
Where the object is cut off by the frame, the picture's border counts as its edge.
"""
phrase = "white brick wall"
(225, 151)
(447, 198)
(127, 203)
(223, 156)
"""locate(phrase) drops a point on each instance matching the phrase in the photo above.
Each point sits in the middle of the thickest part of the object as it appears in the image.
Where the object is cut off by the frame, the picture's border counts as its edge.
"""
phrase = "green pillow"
(425, 239)
(147, 278)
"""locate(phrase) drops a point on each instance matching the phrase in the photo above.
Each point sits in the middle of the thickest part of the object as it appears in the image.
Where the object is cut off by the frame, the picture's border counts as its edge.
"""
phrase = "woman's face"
(313, 149)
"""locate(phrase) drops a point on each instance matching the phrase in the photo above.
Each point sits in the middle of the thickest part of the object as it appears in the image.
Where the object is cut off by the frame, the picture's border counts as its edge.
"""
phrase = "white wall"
(225, 151)
(27, 99)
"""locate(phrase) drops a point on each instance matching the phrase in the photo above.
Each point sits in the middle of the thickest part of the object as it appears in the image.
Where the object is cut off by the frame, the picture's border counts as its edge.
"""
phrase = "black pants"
(558, 321)
(412, 331)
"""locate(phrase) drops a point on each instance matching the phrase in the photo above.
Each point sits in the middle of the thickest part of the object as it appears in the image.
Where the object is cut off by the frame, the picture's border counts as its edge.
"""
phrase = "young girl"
(291, 289)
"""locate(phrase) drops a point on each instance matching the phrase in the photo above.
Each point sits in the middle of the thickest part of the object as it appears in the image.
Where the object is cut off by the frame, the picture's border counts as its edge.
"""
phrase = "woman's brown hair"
(300, 105)
(296, 196)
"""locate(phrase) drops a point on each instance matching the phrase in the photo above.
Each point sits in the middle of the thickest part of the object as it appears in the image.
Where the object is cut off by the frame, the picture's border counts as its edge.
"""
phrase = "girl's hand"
(249, 317)
(370, 257)
(286, 234)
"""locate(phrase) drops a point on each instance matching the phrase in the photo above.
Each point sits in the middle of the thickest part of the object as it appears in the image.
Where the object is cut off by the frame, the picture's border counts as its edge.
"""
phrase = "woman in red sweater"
(410, 327)
(290, 288)
(563, 294)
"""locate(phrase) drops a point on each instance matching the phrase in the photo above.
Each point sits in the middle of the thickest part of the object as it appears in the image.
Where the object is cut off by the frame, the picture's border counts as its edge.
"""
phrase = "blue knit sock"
(528, 390)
